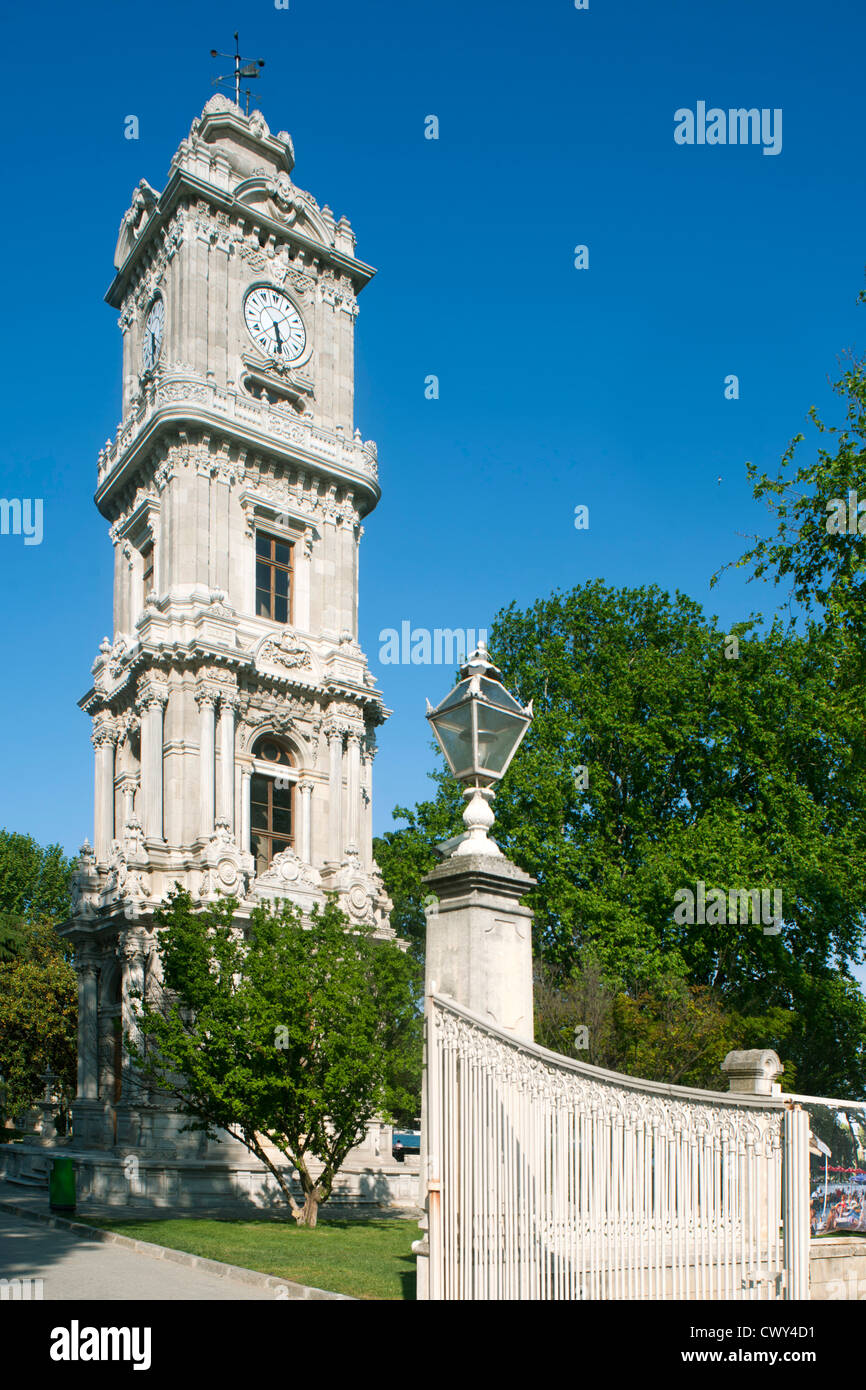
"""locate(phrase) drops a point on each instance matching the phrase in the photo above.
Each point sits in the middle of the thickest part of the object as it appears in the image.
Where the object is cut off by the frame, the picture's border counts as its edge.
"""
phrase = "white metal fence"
(551, 1179)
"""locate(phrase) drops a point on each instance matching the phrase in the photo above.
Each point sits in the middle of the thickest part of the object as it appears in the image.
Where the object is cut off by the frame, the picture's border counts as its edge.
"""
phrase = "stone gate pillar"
(479, 940)
(88, 1034)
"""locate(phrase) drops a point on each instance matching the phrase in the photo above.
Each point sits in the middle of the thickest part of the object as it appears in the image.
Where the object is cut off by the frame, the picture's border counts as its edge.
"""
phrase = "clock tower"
(234, 715)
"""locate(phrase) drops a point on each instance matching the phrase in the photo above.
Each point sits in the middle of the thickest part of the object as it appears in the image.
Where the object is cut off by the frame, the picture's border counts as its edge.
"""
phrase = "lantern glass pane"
(498, 735)
(456, 740)
(455, 697)
(496, 694)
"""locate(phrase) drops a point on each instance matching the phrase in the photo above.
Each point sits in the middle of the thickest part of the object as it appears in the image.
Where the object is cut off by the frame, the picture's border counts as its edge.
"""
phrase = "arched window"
(271, 798)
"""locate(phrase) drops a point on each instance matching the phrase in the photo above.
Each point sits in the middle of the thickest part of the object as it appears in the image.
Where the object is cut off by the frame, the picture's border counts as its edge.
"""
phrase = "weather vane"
(243, 68)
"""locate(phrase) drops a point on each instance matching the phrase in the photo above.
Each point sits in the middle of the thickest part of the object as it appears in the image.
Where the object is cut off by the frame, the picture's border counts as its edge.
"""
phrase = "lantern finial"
(479, 727)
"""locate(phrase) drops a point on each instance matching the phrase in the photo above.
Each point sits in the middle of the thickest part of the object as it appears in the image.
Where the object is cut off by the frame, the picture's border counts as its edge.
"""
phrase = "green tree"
(34, 879)
(740, 771)
(406, 855)
(825, 571)
(38, 1008)
(38, 1017)
(290, 1036)
(664, 1031)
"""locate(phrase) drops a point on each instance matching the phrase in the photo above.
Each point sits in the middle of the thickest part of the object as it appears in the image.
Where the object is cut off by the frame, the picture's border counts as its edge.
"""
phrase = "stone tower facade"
(234, 715)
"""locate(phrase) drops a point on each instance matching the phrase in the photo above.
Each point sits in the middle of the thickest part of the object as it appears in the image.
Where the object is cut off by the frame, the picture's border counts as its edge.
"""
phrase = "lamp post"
(479, 728)
(479, 936)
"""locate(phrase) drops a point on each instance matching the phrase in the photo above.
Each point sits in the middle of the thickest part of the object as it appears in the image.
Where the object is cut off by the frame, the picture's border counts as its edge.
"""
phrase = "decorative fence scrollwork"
(551, 1179)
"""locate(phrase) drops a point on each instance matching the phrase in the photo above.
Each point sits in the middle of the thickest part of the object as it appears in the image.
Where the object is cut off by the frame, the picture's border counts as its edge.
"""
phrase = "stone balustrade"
(273, 422)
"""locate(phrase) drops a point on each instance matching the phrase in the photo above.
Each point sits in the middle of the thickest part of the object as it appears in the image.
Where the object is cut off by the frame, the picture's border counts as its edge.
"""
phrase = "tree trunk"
(310, 1210)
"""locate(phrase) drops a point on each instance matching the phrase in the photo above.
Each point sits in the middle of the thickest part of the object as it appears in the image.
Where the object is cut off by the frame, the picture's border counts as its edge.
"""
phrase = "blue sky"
(557, 386)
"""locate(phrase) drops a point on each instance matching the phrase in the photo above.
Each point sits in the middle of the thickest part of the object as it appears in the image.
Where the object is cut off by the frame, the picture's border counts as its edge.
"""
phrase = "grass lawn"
(367, 1259)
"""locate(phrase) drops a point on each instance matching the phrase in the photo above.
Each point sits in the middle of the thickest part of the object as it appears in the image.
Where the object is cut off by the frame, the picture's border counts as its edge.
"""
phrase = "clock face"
(274, 323)
(153, 330)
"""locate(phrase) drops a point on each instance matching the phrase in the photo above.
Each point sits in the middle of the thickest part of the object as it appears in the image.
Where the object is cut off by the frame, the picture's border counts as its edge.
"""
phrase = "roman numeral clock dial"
(274, 323)
(154, 326)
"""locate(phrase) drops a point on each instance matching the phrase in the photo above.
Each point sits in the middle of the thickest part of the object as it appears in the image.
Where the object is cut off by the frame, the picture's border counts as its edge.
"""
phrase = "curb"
(163, 1252)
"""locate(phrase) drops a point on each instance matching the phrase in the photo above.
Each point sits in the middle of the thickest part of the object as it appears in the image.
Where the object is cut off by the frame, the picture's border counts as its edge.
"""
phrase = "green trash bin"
(61, 1185)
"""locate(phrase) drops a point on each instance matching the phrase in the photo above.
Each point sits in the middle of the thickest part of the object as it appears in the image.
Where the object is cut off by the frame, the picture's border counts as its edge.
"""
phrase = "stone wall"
(160, 1186)
(837, 1268)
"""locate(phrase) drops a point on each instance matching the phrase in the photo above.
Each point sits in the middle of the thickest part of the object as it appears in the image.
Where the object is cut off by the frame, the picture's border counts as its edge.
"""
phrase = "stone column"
(345, 545)
(305, 837)
(133, 955)
(303, 572)
(335, 794)
(104, 739)
(353, 744)
(128, 784)
(479, 953)
(367, 809)
(358, 532)
(226, 807)
(329, 594)
(206, 700)
(88, 1030)
(246, 778)
(152, 700)
(753, 1073)
(479, 940)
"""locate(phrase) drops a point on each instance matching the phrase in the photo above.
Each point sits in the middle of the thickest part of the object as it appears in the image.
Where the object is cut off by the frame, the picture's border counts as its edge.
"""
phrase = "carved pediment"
(282, 201)
(135, 219)
(285, 653)
(287, 871)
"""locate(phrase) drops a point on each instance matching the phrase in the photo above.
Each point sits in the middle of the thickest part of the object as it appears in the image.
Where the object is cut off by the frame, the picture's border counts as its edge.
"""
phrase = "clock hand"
(276, 328)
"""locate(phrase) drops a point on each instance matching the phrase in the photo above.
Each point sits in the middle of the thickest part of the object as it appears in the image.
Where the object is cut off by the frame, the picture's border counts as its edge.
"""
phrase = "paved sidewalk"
(75, 1262)
(75, 1267)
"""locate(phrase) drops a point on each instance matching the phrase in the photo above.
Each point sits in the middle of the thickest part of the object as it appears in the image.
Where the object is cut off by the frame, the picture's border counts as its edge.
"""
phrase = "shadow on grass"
(364, 1257)
(409, 1278)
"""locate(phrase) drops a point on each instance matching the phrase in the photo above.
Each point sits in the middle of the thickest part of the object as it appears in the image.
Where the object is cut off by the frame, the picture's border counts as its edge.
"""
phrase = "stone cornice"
(236, 420)
(193, 656)
(183, 184)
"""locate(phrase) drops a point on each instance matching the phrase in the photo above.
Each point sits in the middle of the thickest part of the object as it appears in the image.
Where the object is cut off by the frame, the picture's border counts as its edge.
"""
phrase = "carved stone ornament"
(84, 884)
(258, 125)
(117, 656)
(287, 871)
(104, 729)
(283, 196)
(144, 200)
(357, 900)
(133, 838)
(125, 884)
(227, 869)
(349, 647)
(151, 694)
(288, 652)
